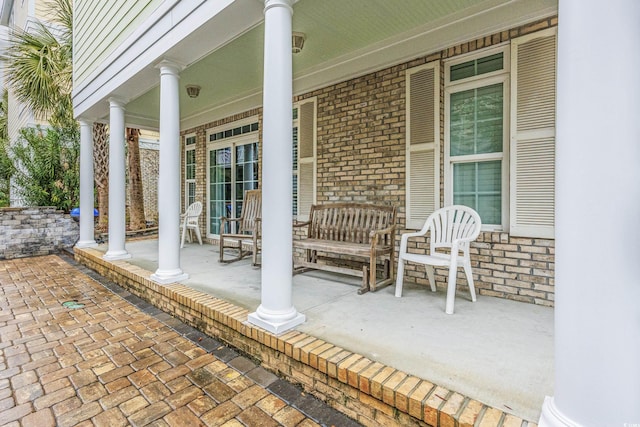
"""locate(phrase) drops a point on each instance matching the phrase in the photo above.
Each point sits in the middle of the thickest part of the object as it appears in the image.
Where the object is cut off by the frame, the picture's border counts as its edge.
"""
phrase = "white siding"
(101, 26)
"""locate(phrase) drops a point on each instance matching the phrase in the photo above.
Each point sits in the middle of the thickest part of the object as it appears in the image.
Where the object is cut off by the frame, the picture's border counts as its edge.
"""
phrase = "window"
(499, 136)
(190, 170)
(304, 158)
(476, 144)
(232, 170)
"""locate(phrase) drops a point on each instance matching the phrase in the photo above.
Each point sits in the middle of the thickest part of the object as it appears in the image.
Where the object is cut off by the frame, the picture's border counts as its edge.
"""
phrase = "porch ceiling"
(343, 39)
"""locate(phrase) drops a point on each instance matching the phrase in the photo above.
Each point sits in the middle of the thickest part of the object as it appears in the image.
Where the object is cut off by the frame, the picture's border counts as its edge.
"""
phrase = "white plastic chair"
(451, 228)
(190, 222)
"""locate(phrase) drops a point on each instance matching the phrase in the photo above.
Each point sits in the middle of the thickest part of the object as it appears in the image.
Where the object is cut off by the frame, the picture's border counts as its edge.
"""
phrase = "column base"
(86, 244)
(276, 327)
(166, 277)
(552, 417)
(116, 255)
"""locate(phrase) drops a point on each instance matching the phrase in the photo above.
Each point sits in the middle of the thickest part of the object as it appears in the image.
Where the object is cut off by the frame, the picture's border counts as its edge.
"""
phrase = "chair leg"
(431, 277)
(469, 274)
(184, 231)
(221, 251)
(372, 273)
(451, 288)
(399, 277)
(197, 229)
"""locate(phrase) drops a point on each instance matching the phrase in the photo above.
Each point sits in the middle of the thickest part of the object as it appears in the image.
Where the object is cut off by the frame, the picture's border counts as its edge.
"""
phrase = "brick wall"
(149, 163)
(361, 157)
(35, 231)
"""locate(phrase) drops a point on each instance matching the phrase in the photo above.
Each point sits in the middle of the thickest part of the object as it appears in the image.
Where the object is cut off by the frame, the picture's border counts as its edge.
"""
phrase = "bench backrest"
(349, 222)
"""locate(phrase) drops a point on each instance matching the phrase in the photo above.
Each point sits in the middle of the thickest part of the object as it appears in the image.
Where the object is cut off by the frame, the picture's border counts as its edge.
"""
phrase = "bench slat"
(343, 248)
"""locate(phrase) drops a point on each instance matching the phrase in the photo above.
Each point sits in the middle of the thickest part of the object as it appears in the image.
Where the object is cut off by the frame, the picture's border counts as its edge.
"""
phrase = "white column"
(276, 312)
(86, 186)
(597, 314)
(169, 270)
(117, 197)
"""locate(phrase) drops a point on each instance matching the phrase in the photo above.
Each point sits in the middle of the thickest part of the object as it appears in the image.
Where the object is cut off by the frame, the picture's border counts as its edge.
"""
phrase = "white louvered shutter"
(306, 158)
(423, 135)
(533, 129)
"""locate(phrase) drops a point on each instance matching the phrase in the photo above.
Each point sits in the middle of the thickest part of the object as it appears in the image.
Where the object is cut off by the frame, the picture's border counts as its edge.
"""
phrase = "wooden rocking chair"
(248, 228)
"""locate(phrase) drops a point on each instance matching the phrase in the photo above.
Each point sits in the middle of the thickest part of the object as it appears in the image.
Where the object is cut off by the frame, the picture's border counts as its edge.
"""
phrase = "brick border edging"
(363, 389)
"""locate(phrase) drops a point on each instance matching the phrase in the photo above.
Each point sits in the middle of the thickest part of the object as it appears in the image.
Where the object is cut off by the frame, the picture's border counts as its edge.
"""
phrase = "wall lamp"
(193, 91)
(297, 41)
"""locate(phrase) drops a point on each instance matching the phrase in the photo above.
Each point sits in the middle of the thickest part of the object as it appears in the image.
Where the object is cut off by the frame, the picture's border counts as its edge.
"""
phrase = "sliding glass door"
(233, 169)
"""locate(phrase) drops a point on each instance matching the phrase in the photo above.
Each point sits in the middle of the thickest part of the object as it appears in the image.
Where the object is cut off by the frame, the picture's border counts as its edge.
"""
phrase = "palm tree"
(136, 197)
(40, 63)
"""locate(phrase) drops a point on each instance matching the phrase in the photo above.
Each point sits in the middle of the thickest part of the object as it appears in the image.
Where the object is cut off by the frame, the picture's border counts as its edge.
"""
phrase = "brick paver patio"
(119, 361)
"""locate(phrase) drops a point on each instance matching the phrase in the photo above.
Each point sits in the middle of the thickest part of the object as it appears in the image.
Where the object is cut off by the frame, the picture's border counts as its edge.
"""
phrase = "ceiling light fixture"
(297, 41)
(193, 91)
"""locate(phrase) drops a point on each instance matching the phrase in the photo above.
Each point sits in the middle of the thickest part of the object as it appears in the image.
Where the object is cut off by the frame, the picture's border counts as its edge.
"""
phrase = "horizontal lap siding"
(101, 26)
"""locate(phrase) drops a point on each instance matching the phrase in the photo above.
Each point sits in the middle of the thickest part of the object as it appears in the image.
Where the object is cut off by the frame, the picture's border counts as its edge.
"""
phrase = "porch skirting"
(367, 391)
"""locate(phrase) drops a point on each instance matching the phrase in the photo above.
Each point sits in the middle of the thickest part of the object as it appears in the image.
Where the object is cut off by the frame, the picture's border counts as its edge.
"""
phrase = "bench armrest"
(376, 234)
(301, 224)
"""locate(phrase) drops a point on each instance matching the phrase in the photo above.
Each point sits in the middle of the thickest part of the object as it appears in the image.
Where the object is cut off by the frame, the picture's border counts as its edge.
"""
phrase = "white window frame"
(482, 80)
(232, 141)
(187, 148)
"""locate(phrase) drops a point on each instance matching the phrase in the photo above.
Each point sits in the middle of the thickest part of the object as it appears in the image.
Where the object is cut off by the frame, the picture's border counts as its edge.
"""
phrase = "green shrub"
(47, 167)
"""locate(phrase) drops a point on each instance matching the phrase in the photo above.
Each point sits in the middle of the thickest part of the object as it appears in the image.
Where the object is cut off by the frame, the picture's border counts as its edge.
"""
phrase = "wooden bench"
(247, 229)
(350, 229)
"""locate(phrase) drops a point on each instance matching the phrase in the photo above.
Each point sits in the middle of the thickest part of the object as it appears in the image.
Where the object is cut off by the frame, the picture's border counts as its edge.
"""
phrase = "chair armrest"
(407, 236)
(404, 239)
(223, 220)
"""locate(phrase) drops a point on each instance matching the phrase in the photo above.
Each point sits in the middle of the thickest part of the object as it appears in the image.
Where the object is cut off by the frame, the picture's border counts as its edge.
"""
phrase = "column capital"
(84, 121)
(116, 101)
(288, 4)
(169, 66)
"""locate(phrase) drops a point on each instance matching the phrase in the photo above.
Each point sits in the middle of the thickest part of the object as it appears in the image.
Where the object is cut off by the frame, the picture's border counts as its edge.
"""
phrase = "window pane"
(476, 121)
(219, 187)
(489, 64)
(479, 186)
(464, 178)
(476, 67)
(190, 167)
(191, 195)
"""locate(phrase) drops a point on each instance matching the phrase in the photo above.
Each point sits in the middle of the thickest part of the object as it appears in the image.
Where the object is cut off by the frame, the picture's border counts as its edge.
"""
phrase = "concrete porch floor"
(496, 351)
